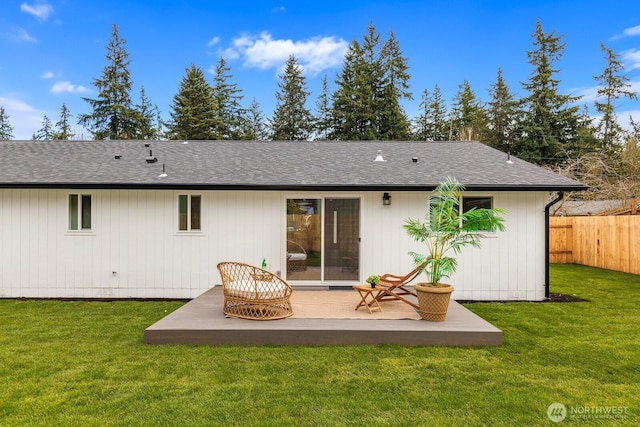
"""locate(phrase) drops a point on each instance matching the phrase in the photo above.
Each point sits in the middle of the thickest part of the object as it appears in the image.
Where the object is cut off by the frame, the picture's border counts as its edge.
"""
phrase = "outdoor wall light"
(386, 199)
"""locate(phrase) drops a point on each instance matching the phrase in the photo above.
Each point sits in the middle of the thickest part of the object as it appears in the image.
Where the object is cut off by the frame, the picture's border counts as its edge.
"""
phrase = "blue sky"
(50, 50)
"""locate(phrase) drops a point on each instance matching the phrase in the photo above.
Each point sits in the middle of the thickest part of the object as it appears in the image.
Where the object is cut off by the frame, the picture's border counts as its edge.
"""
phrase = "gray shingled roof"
(267, 165)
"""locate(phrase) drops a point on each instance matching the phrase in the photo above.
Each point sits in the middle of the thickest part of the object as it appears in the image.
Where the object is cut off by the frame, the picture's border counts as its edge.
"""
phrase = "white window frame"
(89, 231)
(189, 224)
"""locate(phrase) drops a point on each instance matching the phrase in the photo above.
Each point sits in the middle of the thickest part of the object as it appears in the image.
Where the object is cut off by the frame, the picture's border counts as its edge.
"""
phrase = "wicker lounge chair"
(296, 256)
(394, 287)
(253, 293)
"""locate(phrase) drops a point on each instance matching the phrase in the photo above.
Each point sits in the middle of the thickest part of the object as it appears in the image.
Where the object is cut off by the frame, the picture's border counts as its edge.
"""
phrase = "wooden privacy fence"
(611, 242)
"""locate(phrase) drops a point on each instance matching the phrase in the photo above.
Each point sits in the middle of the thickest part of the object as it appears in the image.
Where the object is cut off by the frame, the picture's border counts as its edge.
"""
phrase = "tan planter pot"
(433, 301)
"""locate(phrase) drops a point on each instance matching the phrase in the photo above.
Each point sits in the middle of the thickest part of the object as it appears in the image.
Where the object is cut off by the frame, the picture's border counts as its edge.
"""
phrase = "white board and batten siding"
(135, 251)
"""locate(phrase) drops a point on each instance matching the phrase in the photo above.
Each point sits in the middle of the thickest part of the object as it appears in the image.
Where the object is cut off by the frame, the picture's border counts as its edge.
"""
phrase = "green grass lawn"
(84, 363)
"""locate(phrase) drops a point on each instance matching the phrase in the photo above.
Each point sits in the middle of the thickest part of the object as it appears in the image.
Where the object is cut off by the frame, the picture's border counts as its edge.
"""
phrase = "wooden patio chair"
(251, 292)
(393, 287)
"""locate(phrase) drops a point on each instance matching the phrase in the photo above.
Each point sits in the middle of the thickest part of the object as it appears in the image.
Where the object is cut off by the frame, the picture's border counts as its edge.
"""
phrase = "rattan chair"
(254, 293)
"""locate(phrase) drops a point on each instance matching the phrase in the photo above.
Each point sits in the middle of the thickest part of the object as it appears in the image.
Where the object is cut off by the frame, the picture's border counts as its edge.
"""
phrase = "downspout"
(546, 242)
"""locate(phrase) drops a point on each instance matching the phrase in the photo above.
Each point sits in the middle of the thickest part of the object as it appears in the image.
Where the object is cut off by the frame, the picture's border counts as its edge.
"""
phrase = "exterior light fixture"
(386, 199)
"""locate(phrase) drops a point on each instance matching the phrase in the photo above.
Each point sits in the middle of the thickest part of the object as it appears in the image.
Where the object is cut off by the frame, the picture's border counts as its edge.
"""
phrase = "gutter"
(546, 241)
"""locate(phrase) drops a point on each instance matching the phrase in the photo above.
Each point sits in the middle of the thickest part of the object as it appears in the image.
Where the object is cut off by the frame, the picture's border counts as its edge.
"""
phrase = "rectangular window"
(469, 203)
(189, 212)
(79, 212)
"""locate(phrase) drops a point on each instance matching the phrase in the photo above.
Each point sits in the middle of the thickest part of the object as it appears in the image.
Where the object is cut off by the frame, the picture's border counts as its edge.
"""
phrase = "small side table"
(366, 291)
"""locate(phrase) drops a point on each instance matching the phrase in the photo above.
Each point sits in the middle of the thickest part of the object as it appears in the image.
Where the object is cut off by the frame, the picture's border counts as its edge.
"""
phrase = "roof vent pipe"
(379, 157)
(414, 160)
(150, 158)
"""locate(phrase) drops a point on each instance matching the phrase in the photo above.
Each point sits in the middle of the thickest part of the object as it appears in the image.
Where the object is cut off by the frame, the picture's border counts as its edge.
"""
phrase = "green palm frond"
(444, 229)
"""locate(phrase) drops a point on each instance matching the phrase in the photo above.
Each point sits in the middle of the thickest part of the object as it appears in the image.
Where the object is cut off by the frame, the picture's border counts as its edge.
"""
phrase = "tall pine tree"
(612, 86)
(373, 81)
(550, 121)
(46, 132)
(432, 124)
(394, 124)
(254, 123)
(6, 130)
(63, 126)
(113, 115)
(291, 120)
(229, 113)
(323, 119)
(503, 114)
(193, 108)
(467, 115)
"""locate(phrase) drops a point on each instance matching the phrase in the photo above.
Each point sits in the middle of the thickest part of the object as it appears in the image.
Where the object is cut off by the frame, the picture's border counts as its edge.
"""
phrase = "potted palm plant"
(445, 230)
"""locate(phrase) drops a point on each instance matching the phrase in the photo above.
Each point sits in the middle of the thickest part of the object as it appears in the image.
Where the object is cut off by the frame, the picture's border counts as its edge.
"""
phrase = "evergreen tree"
(291, 119)
(149, 121)
(586, 135)
(323, 119)
(229, 113)
(63, 126)
(193, 108)
(394, 124)
(46, 132)
(467, 115)
(6, 130)
(254, 124)
(349, 122)
(113, 115)
(613, 86)
(502, 116)
(373, 80)
(549, 126)
(421, 123)
(432, 124)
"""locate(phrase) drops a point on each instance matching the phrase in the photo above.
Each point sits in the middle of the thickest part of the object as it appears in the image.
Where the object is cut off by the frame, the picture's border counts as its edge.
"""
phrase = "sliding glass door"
(323, 239)
(341, 239)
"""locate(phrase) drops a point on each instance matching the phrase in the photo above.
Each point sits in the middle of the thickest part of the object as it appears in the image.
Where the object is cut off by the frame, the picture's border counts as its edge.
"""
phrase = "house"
(151, 219)
(592, 207)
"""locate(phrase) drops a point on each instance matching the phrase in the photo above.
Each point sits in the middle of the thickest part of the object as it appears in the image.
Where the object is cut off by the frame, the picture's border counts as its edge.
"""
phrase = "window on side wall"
(469, 203)
(80, 212)
(189, 212)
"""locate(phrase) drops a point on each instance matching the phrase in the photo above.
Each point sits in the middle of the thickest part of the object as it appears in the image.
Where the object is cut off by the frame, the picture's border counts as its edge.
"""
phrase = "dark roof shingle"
(268, 165)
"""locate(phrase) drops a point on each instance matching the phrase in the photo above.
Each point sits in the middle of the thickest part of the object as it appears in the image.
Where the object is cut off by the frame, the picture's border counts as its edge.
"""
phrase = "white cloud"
(633, 31)
(48, 75)
(67, 87)
(41, 10)
(214, 41)
(22, 117)
(264, 52)
(280, 9)
(629, 32)
(632, 58)
(19, 35)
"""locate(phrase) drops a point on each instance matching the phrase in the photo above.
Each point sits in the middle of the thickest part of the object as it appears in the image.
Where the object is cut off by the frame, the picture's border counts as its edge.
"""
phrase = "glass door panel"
(341, 239)
(304, 239)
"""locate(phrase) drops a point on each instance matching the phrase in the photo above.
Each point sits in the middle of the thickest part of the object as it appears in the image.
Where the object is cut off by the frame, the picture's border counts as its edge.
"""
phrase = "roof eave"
(281, 187)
